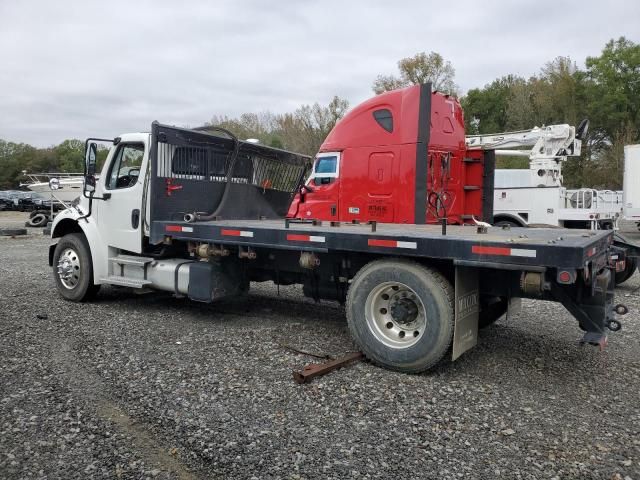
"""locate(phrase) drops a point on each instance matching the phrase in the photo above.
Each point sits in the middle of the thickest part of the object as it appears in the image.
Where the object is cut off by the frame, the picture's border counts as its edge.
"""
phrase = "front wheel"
(73, 269)
(401, 314)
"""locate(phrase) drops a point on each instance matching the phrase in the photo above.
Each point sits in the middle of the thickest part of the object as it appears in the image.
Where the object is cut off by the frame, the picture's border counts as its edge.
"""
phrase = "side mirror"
(91, 156)
(89, 183)
(54, 184)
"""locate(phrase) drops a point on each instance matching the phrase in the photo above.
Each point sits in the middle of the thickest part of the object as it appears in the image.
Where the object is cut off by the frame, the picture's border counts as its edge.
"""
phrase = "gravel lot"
(151, 386)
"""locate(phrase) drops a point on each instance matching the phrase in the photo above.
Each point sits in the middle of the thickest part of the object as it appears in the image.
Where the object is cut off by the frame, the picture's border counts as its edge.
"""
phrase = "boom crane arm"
(550, 146)
(553, 142)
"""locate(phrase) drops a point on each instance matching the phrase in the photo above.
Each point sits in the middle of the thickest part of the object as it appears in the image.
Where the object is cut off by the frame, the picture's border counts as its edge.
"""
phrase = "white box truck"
(631, 183)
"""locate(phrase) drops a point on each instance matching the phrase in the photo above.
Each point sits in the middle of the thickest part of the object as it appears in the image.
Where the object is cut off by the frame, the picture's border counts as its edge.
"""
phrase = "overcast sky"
(77, 69)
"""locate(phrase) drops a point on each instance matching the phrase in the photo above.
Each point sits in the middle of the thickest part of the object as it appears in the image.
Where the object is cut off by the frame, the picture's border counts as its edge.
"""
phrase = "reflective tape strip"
(297, 237)
(520, 252)
(178, 228)
(378, 242)
(503, 251)
(236, 233)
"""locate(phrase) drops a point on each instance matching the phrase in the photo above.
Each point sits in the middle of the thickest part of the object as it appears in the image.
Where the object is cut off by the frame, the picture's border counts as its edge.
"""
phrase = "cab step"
(131, 260)
(125, 281)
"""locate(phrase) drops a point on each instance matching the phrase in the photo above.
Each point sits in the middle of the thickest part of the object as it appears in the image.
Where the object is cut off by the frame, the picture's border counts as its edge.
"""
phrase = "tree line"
(606, 91)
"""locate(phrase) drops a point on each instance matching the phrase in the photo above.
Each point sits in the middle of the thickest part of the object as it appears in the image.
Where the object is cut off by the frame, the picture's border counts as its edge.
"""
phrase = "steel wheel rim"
(68, 268)
(395, 315)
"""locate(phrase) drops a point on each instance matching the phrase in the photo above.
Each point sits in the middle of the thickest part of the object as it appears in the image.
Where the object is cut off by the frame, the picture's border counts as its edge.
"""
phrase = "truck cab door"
(321, 198)
(120, 213)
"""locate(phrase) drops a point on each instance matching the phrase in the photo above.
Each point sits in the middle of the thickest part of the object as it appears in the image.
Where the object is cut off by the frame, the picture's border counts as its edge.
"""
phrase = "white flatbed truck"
(202, 216)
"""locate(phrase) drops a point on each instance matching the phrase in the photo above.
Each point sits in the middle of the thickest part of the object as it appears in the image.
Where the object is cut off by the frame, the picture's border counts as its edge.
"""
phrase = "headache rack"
(202, 176)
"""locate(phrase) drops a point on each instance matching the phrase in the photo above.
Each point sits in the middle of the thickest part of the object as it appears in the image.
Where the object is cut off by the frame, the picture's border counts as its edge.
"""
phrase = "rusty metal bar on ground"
(314, 370)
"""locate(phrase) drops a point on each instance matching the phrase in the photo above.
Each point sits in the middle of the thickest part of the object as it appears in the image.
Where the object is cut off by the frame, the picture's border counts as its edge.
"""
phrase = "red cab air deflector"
(382, 173)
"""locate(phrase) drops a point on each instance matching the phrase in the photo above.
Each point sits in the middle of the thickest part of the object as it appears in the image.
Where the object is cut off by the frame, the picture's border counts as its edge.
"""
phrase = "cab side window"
(125, 167)
(326, 170)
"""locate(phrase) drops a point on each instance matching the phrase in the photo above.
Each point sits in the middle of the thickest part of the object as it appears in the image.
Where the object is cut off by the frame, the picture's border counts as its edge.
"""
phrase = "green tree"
(485, 109)
(70, 154)
(614, 90)
(14, 159)
(421, 68)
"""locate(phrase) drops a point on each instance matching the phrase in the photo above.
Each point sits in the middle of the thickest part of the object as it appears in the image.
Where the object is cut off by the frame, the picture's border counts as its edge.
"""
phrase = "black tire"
(608, 225)
(31, 215)
(509, 223)
(491, 310)
(12, 232)
(627, 273)
(80, 288)
(38, 220)
(435, 295)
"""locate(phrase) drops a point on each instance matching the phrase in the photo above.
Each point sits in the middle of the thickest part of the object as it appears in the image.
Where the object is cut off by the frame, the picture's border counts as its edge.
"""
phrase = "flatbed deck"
(552, 247)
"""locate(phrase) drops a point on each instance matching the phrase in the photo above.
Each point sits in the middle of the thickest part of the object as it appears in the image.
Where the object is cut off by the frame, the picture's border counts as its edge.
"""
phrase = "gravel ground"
(151, 386)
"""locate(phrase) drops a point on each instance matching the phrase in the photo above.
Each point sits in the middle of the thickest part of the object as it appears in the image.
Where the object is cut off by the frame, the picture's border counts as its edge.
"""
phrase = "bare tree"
(421, 68)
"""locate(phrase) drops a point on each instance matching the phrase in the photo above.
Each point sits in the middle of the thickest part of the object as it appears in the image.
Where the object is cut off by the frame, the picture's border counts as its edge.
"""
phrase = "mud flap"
(467, 309)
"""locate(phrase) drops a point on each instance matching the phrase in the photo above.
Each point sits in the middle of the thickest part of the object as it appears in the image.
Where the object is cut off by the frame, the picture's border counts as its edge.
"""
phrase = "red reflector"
(564, 277)
(173, 228)
(298, 238)
(373, 242)
(490, 250)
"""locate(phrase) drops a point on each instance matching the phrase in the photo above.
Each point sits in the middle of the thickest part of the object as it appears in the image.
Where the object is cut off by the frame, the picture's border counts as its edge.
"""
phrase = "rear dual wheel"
(626, 274)
(401, 314)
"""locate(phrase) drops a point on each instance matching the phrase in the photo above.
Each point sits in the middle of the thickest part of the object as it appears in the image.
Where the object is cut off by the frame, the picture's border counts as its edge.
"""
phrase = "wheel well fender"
(88, 229)
(66, 226)
(61, 229)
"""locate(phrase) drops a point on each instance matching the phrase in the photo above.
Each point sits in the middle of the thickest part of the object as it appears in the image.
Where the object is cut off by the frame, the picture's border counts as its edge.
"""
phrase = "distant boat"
(70, 185)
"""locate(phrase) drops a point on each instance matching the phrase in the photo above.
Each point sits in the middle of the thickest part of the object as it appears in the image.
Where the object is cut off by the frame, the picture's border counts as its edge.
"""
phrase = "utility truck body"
(519, 203)
(631, 183)
(203, 216)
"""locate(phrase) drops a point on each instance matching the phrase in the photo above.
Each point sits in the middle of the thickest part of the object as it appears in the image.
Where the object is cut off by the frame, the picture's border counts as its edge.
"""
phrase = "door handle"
(135, 218)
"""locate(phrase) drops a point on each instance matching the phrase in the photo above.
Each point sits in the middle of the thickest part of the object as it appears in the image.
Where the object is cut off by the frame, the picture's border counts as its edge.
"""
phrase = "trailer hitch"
(314, 370)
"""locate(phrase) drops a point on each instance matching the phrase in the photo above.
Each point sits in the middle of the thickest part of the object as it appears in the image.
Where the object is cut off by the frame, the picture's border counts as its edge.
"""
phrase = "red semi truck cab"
(399, 157)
